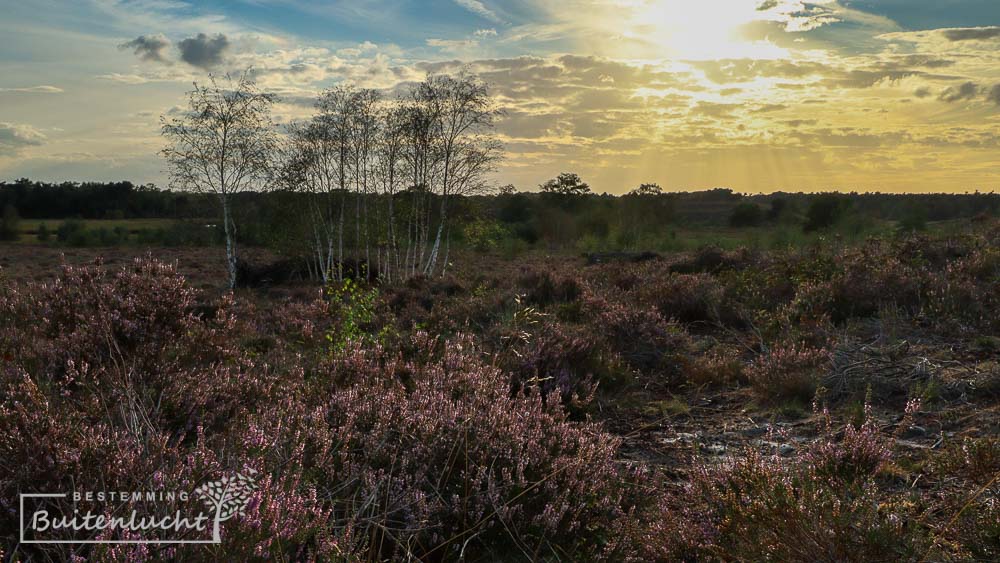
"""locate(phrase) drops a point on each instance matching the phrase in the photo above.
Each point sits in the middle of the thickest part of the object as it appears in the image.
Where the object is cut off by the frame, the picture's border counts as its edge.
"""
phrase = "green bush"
(484, 236)
(9, 223)
(72, 232)
(825, 211)
(746, 214)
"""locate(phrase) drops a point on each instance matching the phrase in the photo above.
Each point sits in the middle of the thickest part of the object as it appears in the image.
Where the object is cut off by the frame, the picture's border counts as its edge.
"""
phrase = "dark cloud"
(867, 78)
(767, 5)
(849, 137)
(524, 78)
(994, 94)
(203, 51)
(148, 47)
(893, 69)
(520, 124)
(966, 91)
(903, 62)
(922, 92)
(712, 109)
(15, 137)
(766, 108)
(972, 33)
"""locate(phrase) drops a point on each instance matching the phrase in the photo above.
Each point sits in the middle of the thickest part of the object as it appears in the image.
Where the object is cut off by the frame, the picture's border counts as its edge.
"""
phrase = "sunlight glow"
(700, 30)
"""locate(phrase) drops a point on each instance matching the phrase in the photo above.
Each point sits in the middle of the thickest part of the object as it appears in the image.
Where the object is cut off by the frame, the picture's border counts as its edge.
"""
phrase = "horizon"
(594, 193)
(756, 96)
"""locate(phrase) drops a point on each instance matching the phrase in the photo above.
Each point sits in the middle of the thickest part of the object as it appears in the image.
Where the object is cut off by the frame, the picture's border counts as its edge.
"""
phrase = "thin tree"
(222, 145)
(464, 112)
(336, 106)
(365, 125)
(392, 139)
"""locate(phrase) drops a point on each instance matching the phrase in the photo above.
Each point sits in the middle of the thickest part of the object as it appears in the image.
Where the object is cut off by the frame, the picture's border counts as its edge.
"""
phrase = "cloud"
(14, 137)
(767, 108)
(485, 32)
(971, 33)
(124, 78)
(148, 47)
(44, 89)
(203, 51)
(994, 94)
(767, 5)
(966, 91)
(452, 44)
(478, 8)
(922, 92)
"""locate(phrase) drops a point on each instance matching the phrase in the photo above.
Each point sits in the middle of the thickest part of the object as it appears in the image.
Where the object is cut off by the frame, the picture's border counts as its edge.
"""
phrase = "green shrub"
(484, 236)
(354, 308)
(746, 214)
(10, 223)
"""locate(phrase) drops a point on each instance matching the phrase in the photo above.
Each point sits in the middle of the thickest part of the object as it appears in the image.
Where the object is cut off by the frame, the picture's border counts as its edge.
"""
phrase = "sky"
(753, 95)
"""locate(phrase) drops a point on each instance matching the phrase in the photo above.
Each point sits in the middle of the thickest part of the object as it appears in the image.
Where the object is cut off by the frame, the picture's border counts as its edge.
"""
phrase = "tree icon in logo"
(227, 497)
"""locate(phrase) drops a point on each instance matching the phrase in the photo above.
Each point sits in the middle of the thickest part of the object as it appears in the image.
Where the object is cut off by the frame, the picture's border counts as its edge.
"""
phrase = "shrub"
(484, 236)
(746, 214)
(541, 288)
(646, 341)
(719, 366)
(976, 460)
(10, 223)
(858, 456)
(767, 509)
(825, 210)
(551, 360)
(689, 298)
(476, 468)
(788, 372)
(965, 295)
(354, 308)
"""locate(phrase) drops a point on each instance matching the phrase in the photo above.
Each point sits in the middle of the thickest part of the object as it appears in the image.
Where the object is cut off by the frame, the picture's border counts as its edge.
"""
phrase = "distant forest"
(555, 217)
(126, 200)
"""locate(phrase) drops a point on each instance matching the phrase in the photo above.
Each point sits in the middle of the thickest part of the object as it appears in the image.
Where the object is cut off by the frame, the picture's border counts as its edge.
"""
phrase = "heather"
(833, 403)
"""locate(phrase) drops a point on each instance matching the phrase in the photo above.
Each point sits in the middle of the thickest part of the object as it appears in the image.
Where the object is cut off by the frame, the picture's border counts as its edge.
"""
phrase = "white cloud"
(14, 137)
(44, 89)
(452, 44)
(478, 8)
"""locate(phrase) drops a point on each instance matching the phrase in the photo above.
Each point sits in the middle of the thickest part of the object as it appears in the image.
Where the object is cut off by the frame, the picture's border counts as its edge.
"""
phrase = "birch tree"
(463, 110)
(397, 162)
(222, 146)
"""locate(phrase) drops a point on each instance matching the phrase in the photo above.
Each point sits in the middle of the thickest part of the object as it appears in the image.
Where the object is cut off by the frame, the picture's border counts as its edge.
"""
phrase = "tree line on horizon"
(552, 217)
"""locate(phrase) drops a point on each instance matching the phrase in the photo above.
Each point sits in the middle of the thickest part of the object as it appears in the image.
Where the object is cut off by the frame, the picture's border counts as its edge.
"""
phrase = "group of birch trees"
(380, 173)
(376, 176)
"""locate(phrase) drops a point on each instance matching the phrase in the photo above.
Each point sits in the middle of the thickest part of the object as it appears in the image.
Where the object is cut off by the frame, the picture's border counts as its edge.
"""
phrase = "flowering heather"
(688, 298)
(856, 457)
(620, 412)
(788, 372)
(766, 508)
(646, 340)
(359, 454)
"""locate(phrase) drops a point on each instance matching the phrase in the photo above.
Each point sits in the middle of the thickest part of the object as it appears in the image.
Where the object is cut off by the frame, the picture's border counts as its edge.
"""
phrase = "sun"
(705, 30)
